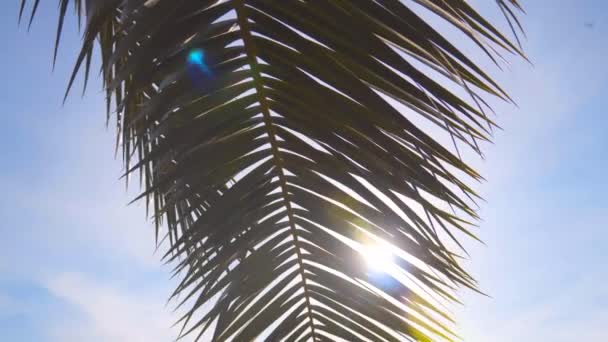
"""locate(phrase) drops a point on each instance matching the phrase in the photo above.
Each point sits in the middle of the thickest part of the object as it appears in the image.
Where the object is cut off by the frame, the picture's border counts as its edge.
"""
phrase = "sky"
(78, 264)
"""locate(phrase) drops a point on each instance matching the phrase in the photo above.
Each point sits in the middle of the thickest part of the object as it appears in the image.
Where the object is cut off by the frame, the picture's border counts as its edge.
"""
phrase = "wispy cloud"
(578, 313)
(108, 312)
(73, 218)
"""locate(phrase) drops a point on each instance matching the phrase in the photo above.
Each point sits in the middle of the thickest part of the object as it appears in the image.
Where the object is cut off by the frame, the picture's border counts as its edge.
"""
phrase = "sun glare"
(378, 257)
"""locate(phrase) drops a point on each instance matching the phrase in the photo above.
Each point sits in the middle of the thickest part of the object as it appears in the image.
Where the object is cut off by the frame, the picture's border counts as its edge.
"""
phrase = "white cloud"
(77, 202)
(567, 317)
(109, 313)
(74, 217)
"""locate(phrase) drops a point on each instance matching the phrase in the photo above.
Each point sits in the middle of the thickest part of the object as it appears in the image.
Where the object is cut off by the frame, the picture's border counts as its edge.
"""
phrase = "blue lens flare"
(196, 60)
(196, 56)
(384, 281)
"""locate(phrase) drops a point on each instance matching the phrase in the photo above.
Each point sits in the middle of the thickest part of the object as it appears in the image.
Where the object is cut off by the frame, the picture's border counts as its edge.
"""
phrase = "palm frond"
(277, 139)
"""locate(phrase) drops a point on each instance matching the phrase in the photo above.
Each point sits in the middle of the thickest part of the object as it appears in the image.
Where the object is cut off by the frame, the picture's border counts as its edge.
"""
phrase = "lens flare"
(196, 60)
(196, 56)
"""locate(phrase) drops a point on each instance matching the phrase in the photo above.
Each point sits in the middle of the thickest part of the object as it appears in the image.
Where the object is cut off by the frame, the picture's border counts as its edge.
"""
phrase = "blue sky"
(77, 264)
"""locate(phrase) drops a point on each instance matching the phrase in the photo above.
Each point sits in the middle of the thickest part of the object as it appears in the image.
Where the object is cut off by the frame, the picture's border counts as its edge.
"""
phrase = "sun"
(378, 257)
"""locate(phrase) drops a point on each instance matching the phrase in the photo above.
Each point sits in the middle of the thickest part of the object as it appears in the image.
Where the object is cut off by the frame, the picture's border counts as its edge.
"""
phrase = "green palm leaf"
(277, 139)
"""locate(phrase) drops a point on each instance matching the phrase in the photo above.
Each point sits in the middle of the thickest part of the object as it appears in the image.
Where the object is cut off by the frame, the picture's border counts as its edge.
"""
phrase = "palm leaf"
(274, 139)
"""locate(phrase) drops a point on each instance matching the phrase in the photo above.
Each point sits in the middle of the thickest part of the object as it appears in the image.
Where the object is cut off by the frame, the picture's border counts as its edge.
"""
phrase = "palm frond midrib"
(250, 48)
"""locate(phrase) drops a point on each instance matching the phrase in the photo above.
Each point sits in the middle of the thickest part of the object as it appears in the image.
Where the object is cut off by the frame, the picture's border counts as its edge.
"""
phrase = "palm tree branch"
(275, 139)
